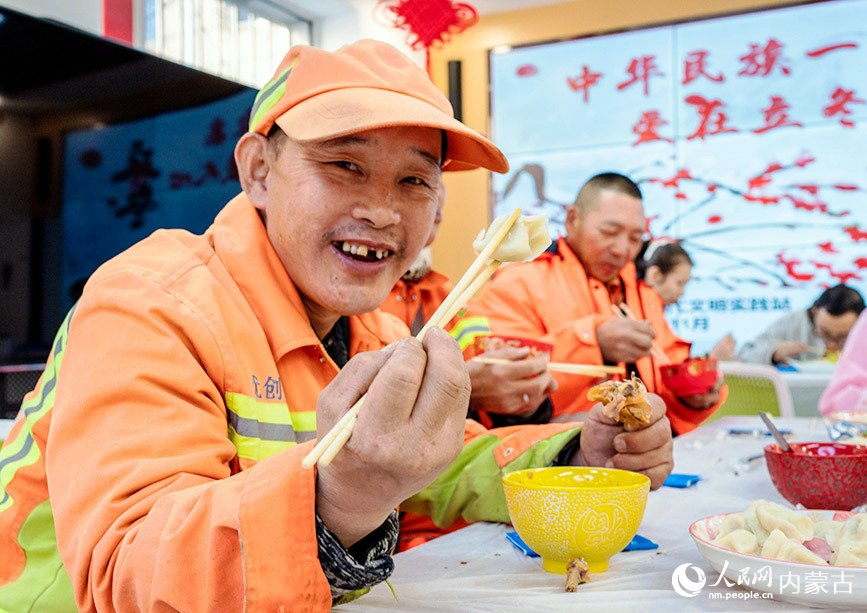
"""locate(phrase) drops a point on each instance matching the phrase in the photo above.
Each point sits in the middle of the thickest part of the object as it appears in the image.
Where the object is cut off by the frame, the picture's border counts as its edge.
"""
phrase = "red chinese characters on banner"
(694, 67)
(582, 82)
(840, 98)
(761, 61)
(828, 49)
(776, 116)
(646, 128)
(640, 70)
(712, 119)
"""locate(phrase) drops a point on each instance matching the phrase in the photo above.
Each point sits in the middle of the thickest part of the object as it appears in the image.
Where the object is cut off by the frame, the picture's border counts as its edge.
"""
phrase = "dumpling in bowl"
(855, 529)
(773, 516)
(740, 540)
(850, 554)
(753, 522)
(780, 547)
(828, 530)
(852, 547)
(732, 522)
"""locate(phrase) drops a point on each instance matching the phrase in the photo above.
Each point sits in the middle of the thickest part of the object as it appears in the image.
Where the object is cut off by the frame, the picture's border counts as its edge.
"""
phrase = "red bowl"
(692, 376)
(820, 475)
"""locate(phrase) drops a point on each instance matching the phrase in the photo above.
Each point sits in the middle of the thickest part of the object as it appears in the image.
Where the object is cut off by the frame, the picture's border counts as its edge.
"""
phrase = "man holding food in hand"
(568, 297)
(189, 381)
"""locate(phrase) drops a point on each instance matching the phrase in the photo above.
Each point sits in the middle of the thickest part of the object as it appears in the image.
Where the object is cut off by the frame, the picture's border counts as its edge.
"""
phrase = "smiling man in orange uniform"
(187, 384)
(565, 297)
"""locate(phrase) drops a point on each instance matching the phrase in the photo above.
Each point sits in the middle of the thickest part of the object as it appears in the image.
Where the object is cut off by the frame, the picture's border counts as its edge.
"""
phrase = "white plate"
(835, 580)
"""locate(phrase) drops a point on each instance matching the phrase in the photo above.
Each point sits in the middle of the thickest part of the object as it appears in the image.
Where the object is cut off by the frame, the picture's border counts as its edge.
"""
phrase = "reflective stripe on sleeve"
(468, 328)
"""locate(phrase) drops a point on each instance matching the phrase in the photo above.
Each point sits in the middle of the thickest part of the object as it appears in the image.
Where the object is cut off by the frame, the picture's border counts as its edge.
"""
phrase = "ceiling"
(52, 68)
(49, 67)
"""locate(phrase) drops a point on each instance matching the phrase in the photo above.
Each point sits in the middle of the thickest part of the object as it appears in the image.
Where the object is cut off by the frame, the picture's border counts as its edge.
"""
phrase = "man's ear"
(251, 158)
(573, 218)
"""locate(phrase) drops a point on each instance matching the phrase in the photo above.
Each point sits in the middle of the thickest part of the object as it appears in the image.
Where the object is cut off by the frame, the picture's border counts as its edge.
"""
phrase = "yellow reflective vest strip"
(268, 96)
(23, 451)
(468, 328)
(43, 572)
(260, 429)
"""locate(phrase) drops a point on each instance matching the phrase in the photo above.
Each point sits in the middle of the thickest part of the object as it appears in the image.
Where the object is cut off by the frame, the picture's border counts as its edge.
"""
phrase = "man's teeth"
(362, 250)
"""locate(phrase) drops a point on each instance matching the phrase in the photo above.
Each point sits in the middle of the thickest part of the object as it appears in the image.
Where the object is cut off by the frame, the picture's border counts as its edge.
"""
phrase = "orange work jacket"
(169, 428)
(552, 299)
(406, 298)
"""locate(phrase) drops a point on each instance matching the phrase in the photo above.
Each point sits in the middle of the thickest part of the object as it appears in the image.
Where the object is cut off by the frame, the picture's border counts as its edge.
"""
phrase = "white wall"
(369, 26)
(83, 14)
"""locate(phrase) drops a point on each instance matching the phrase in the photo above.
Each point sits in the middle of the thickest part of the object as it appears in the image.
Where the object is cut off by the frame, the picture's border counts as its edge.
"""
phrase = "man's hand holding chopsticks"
(411, 429)
(518, 384)
(624, 340)
(648, 450)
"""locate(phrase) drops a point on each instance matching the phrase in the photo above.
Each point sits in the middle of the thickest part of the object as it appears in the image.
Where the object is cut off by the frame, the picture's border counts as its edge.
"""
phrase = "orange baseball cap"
(316, 95)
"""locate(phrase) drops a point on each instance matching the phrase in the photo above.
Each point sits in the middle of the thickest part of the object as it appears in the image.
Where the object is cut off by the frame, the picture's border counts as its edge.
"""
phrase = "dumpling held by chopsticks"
(527, 238)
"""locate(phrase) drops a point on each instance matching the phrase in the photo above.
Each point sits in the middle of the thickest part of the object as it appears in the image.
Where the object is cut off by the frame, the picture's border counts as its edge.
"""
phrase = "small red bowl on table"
(820, 475)
(690, 377)
(491, 342)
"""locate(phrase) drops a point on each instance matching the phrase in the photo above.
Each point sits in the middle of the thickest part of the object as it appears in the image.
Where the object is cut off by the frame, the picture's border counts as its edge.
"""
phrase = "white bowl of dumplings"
(816, 558)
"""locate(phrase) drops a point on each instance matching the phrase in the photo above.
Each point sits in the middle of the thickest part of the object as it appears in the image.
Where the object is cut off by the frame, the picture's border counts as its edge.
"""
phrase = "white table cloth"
(477, 569)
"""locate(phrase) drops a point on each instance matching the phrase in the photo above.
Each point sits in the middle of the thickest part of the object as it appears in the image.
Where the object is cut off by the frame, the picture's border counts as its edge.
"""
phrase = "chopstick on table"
(593, 370)
(655, 349)
(471, 281)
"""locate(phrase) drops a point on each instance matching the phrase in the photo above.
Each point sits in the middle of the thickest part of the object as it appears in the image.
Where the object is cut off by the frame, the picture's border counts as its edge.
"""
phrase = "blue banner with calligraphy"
(121, 182)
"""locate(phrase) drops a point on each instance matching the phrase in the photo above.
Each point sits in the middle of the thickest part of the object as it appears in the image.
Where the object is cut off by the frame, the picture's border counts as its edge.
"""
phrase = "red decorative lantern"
(430, 23)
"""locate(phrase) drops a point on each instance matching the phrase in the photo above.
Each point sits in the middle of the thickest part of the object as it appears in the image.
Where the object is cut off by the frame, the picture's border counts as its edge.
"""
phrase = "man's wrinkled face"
(609, 236)
(348, 216)
(833, 329)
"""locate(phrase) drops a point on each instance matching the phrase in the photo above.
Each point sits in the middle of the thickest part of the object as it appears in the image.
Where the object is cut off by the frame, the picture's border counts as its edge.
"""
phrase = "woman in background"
(667, 268)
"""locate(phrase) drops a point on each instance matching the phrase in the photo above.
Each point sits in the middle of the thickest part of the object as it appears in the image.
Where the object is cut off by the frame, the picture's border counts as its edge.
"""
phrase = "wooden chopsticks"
(471, 281)
(655, 350)
(592, 370)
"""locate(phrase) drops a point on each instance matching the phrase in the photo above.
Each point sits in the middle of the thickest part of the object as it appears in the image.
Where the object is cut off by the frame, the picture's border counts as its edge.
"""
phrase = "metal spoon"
(783, 443)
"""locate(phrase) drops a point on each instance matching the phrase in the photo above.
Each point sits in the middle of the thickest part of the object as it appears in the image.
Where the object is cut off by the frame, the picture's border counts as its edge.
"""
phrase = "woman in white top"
(667, 267)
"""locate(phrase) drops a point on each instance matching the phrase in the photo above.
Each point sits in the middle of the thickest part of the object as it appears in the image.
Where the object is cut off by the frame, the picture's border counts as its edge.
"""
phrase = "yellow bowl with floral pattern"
(576, 512)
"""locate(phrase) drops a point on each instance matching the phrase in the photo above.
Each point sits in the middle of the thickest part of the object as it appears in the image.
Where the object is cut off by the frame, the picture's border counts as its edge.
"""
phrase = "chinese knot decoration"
(429, 22)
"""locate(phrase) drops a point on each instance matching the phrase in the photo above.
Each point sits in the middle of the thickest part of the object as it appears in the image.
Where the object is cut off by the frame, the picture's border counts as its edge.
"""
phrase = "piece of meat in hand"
(623, 401)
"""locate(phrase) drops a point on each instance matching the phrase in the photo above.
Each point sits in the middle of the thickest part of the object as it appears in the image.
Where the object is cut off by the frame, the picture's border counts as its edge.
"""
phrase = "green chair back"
(754, 388)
